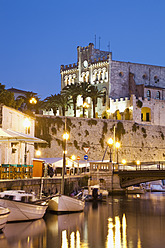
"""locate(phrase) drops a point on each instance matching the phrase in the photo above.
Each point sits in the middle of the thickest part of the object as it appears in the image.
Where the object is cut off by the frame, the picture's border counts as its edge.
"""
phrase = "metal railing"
(15, 171)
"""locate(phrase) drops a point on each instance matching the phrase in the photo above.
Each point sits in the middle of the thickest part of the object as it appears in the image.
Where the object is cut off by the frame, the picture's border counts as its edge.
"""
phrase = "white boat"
(135, 190)
(65, 204)
(4, 213)
(23, 206)
(94, 193)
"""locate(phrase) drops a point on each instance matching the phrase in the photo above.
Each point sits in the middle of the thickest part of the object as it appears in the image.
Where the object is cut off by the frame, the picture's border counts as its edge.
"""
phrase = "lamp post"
(73, 157)
(26, 124)
(123, 162)
(110, 143)
(85, 106)
(138, 163)
(33, 100)
(65, 138)
(117, 144)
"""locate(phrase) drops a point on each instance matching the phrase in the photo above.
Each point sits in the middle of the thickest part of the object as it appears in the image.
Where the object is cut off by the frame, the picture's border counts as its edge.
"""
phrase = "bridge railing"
(156, 165)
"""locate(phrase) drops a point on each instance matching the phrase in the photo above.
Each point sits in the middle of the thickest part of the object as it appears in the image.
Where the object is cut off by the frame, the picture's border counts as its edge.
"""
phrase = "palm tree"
(94, 94)
(72, 91)
(64, 103)
(84, 89)
(51, 102)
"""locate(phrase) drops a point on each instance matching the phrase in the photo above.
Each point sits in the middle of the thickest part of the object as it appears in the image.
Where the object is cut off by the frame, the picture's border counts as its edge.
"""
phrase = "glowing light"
(72, 240)
(124, 225)
(138, 162)
(123, 161)
(65, 136)
(78, 239)
(38, 153)
(117, 145)
(110, 141)
(26, 123)
(110, 242)
(64, 239)
(85, 105)
(33, 100)
(117, 232)
(73, 157)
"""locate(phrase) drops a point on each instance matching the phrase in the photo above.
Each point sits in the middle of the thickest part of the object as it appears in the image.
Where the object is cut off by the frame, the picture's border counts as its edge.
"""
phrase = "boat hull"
(65, 204)
(21, 211)
(4, 214)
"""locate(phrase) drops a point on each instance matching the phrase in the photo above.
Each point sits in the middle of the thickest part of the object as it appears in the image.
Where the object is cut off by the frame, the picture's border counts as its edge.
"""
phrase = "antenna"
(99, 42)
(108, 46)
(95, 40)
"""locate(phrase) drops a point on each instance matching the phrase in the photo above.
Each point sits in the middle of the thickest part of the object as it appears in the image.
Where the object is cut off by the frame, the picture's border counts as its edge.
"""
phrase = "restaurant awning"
(7, 135)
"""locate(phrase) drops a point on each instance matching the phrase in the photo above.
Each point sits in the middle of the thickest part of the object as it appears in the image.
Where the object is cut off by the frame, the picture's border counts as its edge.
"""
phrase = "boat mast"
(64, 161)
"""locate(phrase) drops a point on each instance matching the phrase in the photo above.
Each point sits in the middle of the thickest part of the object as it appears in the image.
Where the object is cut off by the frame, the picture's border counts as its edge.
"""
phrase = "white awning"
(7, 135)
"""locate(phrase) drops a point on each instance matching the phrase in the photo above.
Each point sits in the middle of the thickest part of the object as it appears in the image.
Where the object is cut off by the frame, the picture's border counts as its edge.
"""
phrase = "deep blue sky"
(37, 36)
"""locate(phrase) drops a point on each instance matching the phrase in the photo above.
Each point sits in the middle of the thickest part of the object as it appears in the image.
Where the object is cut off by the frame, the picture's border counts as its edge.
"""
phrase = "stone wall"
(50, 185)
(138, 142)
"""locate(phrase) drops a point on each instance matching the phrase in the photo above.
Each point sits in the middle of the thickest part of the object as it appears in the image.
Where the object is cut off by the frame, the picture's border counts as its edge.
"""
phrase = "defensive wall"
(138, 141)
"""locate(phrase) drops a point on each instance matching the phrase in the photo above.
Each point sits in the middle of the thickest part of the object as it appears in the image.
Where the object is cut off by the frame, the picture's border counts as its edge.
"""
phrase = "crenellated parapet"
(70, 66)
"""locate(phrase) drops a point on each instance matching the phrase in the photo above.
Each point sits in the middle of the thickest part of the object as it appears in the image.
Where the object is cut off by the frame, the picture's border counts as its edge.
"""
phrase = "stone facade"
(138, 141)
(13, 152)
(119, 80)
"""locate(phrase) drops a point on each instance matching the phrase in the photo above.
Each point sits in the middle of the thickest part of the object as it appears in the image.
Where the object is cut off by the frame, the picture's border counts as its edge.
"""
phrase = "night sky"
(37, 36)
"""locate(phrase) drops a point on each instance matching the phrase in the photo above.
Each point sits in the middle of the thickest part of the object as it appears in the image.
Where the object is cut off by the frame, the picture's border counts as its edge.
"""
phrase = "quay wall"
(50, 185)
(142, 142)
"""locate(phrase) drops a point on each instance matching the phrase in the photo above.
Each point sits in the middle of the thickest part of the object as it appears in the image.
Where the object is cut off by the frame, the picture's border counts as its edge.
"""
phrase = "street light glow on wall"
(117, 145)
(38, 153)
(110, 143)
(26, 124)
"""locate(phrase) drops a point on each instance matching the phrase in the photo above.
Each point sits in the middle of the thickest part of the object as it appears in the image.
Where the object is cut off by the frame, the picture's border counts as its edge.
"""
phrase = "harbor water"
(126, 221)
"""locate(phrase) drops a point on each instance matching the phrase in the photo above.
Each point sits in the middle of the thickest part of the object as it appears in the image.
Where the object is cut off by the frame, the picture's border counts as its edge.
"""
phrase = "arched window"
(148, 94)
(158, 95)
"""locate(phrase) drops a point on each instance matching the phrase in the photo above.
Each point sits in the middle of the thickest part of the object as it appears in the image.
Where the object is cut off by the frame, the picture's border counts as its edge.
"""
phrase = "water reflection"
(121, 222)
(23, 234)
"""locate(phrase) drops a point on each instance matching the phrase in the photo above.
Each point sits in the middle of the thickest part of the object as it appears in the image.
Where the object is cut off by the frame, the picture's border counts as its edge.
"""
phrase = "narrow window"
(158, 95)
(148, 94)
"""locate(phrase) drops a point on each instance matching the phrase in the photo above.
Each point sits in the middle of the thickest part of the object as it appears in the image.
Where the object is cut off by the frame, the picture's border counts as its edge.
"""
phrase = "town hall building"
(132, 91)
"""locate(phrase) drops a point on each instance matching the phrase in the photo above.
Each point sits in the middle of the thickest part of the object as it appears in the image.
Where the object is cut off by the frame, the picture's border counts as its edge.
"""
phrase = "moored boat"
(23, 206)
(65, 204)
(135, 190)
(4, 213)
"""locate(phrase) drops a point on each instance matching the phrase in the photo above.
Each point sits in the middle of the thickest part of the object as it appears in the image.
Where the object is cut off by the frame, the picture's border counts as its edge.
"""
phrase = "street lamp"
(26, 124)
(38, 153)
(110, 143)
(33, 100)
(117, 147)
(85, 106)
(65, 138)
(73, 157)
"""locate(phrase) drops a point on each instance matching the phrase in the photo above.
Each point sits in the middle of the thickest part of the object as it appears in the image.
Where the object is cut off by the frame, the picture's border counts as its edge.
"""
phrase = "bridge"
(132, 174)
(129, 174)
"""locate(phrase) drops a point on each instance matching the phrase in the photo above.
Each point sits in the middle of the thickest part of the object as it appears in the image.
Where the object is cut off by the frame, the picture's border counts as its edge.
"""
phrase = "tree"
(27, 105)
(94, 94)
(51, 102)
(55, 102)
(84, 89)
(71, 92)
(64, 103)
(7, 98)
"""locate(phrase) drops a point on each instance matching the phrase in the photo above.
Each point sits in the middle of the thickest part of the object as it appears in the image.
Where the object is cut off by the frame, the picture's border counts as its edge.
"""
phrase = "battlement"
(70, 66)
